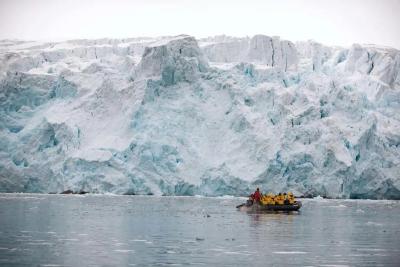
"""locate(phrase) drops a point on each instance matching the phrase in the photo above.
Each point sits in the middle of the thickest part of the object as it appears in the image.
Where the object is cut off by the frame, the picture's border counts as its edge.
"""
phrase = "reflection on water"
(96, 230)
(263, 218)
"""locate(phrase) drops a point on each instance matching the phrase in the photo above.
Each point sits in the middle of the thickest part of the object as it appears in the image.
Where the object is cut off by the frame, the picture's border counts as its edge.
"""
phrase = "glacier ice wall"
(214, 116)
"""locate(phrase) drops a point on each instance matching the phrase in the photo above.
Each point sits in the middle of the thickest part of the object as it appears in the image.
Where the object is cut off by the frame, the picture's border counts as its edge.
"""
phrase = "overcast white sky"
(338, 22)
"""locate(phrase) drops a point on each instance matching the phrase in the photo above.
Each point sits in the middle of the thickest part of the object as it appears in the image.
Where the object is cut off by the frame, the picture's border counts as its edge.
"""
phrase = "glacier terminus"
(210, 116)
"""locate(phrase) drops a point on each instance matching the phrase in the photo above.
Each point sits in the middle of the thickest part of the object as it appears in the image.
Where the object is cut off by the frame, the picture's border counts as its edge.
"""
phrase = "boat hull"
(261, 208)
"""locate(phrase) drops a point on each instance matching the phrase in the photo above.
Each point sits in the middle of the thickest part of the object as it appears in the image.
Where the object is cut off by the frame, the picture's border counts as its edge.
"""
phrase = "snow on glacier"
(214, 116)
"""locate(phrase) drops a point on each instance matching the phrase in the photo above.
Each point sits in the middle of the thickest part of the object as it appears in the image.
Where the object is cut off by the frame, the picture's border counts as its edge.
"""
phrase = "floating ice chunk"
(374, 224)
(124, 250)
(289, 252)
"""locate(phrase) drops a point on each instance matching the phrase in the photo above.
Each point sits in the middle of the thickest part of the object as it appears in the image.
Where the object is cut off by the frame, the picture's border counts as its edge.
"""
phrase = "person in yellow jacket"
(271, 198)
(279, 199)
(290, 197)
(268, 199)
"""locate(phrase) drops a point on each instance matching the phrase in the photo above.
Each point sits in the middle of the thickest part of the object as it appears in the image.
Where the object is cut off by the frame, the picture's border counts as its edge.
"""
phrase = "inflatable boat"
(261, 208)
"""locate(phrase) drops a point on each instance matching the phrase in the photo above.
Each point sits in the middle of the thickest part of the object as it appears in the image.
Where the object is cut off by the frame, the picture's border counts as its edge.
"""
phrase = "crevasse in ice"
(214, 116)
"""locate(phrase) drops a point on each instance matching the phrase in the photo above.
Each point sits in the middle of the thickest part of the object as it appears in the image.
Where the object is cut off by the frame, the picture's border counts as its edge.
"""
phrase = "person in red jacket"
(257, 195)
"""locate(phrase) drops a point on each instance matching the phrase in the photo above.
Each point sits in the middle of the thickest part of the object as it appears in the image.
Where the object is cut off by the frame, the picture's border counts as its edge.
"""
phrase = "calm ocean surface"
(104, 230)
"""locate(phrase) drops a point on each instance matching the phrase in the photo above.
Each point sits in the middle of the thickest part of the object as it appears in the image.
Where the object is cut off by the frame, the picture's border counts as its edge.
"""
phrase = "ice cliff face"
(215, 116)
(260, 49)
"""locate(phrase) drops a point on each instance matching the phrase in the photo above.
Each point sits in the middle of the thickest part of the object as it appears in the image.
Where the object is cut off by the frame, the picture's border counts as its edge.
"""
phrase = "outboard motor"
(249, 202)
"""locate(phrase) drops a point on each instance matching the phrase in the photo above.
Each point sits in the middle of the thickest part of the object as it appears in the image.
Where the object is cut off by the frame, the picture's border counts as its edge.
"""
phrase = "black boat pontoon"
(260, 208)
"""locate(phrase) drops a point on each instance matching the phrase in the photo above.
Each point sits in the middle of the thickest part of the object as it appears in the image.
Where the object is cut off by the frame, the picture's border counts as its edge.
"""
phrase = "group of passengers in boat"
(271, 199)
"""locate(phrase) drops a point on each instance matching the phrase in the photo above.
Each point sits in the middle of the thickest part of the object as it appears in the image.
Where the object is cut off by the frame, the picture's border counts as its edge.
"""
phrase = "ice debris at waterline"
(214, 116)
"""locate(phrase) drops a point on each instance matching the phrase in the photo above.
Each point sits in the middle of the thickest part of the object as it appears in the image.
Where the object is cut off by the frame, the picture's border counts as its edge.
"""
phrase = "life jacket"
(291, 198)
(267, 200)
(279, 199)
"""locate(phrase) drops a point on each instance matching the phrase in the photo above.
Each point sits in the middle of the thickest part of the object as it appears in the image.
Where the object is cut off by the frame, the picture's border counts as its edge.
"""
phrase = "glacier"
(211, 116)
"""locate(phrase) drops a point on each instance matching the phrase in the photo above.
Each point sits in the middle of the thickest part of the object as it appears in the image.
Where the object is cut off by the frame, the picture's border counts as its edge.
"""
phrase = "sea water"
(107, 230)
